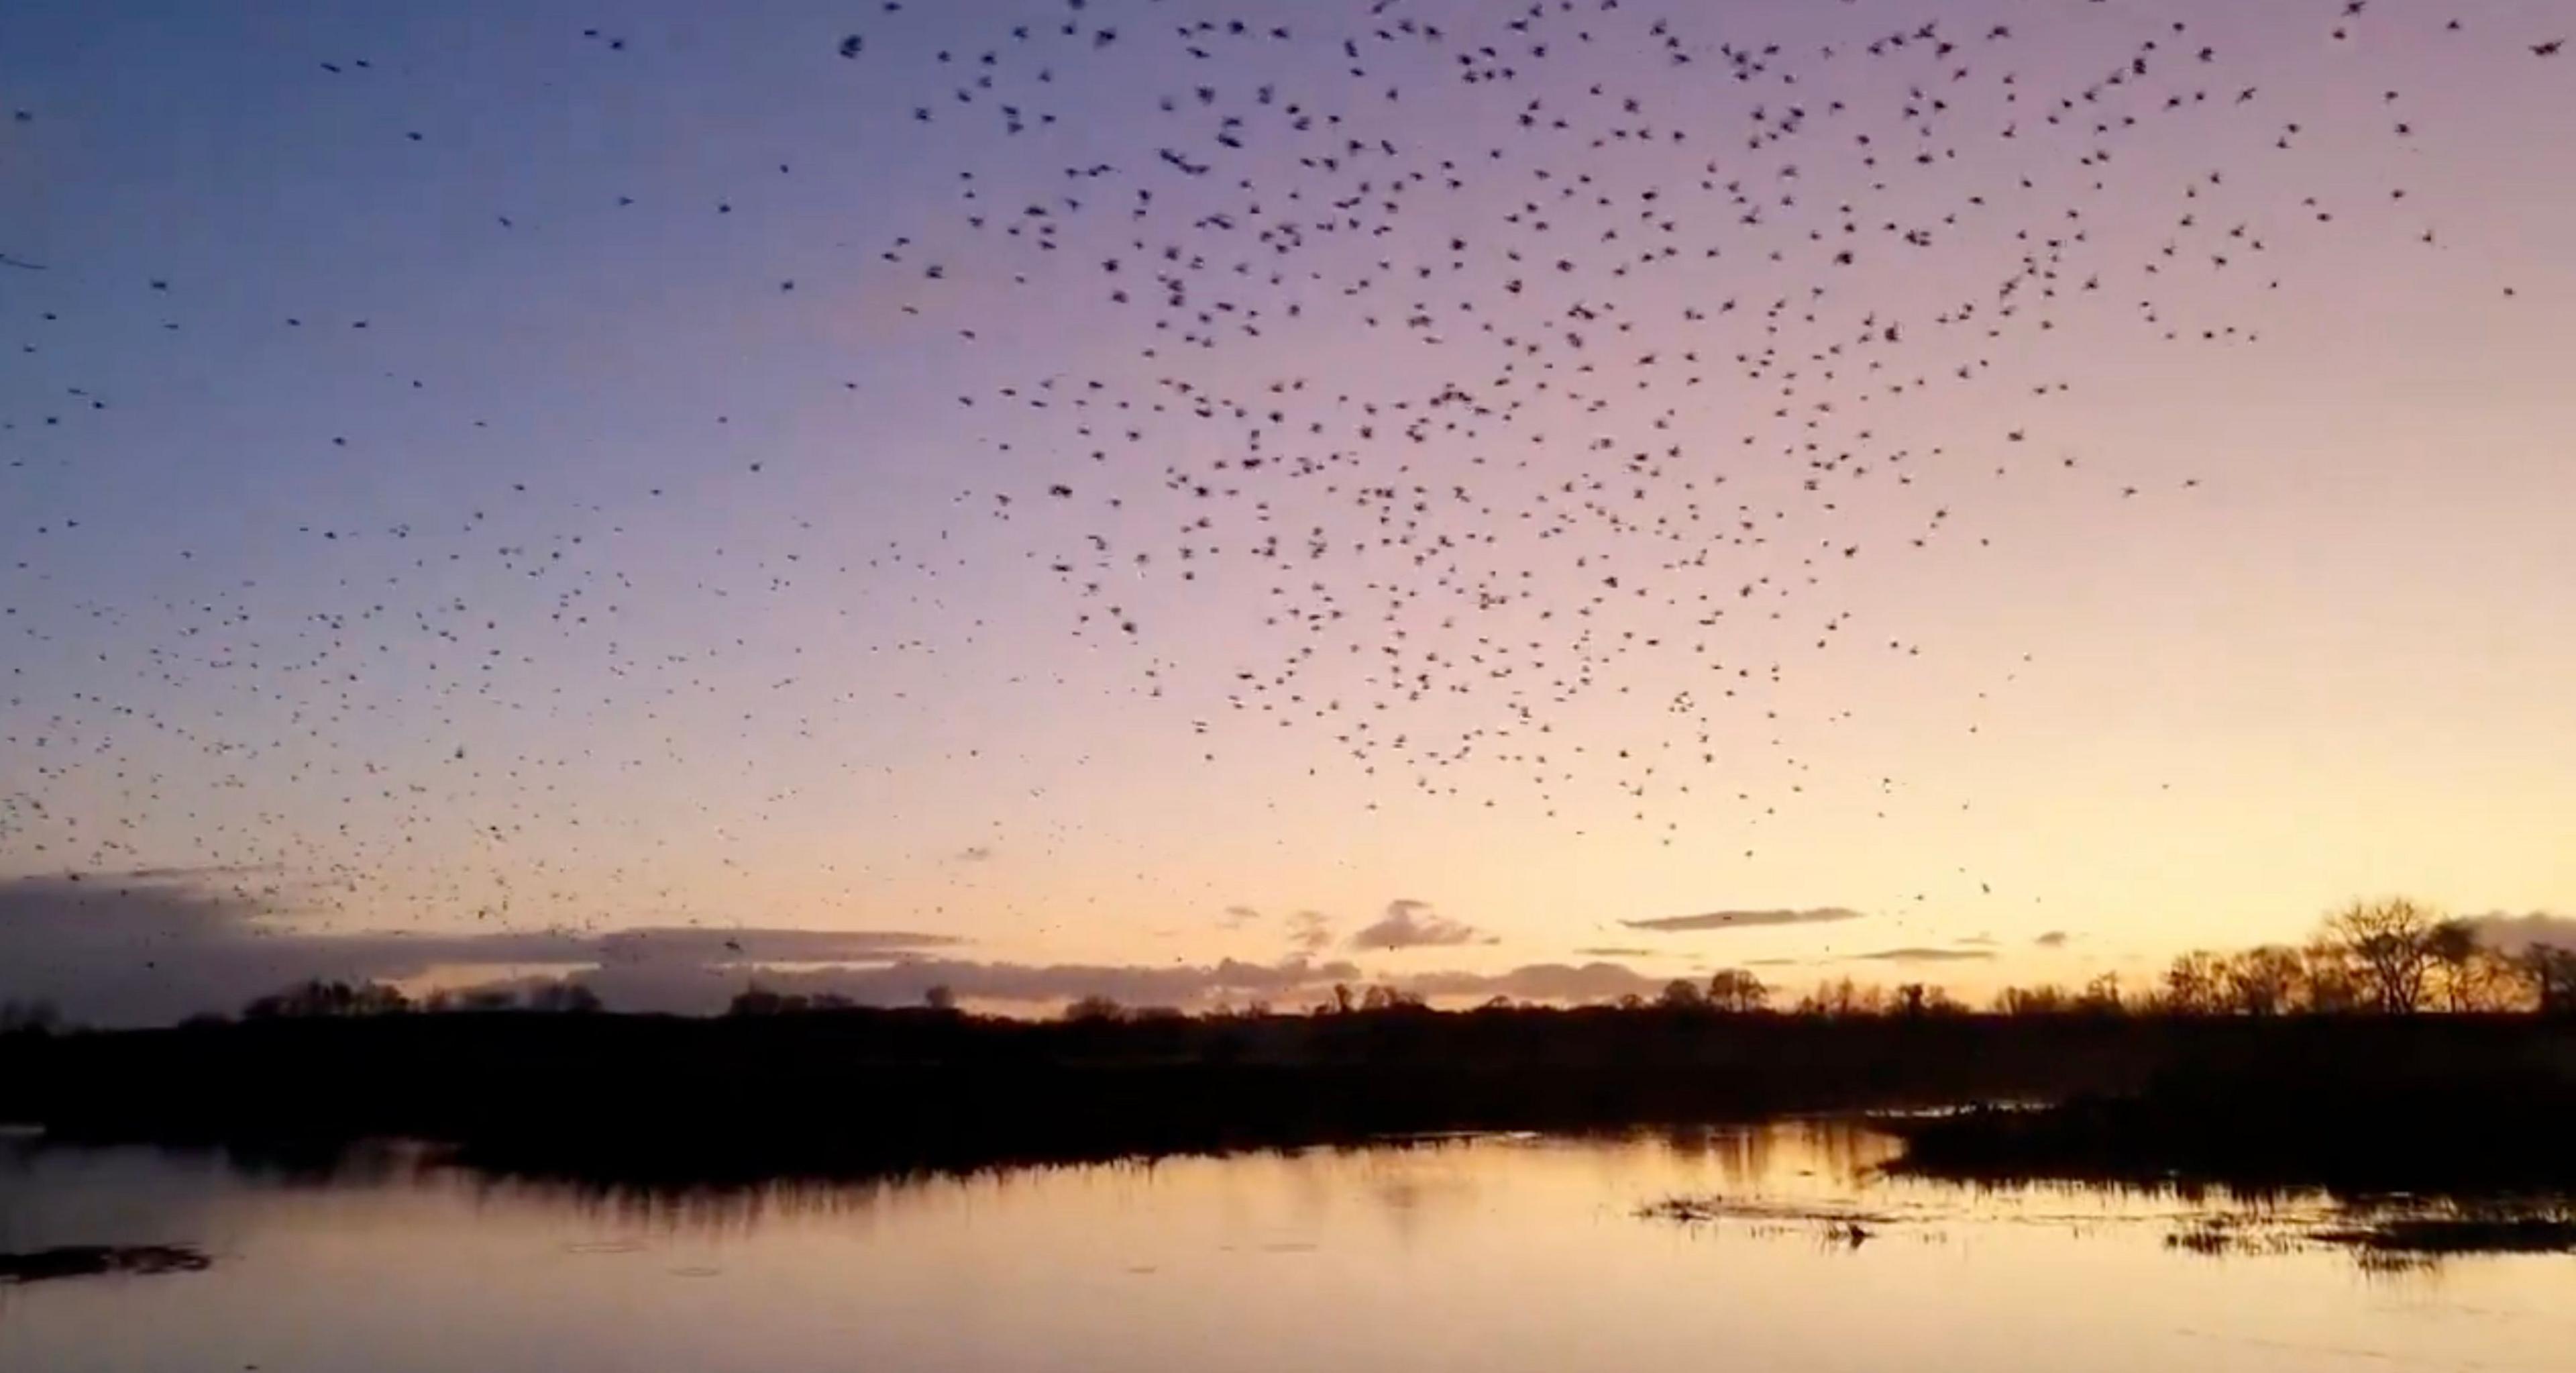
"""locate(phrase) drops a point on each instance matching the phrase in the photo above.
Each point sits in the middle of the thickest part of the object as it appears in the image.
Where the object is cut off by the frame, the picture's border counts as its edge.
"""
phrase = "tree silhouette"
(1094, 1010)
(563, 998)
(28, 1018)
(2550, 972)
(319, 998)
(1737, 991)
(2390, 944)
(2195, 984)
(2262, 981)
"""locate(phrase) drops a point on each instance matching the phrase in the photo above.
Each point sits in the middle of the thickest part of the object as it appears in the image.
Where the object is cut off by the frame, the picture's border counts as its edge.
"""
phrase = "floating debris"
(98, 1260)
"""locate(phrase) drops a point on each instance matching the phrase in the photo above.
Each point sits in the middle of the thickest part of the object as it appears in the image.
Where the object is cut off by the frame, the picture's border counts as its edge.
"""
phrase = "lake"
(1491, 1252)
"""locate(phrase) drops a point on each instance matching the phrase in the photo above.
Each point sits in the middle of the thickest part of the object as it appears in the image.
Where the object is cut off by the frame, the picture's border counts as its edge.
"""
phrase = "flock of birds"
(1497, 406)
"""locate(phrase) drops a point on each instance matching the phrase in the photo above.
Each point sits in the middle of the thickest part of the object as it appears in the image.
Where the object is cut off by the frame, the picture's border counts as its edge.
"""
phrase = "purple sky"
(477, 534)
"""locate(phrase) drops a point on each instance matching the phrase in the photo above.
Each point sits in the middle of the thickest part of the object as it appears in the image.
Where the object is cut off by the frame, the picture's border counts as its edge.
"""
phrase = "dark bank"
(2358, 1101)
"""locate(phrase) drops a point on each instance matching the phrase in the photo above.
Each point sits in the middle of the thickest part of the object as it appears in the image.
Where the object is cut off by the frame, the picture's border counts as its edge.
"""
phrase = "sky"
(1442, 494)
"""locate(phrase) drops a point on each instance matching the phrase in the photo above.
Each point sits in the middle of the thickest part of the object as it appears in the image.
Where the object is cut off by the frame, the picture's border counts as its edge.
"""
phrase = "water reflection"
(1500, 1252)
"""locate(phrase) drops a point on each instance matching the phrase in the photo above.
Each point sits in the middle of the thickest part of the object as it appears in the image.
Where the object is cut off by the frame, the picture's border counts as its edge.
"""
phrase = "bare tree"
(2329, 980)
(28, 1018)
(1382, 996)
(2102, 996)
(1737, 990)
(2045, 999)
(2550, 974)
(1840, 997)
(320, 998)
(563, 998)
(2195, 984)
(2262, 981)
(2390, 944)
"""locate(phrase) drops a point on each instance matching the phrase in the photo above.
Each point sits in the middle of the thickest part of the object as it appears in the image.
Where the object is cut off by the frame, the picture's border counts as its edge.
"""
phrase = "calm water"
(1488, 1254)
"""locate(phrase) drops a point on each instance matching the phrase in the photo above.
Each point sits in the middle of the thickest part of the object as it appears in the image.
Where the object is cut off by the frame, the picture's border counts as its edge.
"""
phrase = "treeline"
(861, 1090)
(2389, 957)
(318, 998)
(2392, 957)
(2382, 1012)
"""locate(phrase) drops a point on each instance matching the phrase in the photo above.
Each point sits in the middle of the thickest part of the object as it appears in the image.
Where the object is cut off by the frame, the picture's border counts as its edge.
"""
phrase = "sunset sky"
(527, 485)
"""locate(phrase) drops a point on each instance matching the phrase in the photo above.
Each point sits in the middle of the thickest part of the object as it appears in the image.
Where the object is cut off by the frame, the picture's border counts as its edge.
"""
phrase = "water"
(1493, 1254)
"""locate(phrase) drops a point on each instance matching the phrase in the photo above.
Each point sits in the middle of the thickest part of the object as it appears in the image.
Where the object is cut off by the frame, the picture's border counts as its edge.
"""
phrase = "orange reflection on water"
(1498, 1253)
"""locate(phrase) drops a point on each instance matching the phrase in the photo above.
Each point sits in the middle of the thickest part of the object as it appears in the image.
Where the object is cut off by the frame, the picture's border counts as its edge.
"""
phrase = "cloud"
(1922, 955)
(1236, 917)
(1291, 984)
(693, 944)
(1411, 925)
(2054, 939)
(2515, 933)
(1977, 941)
(1740, 920)
(1310, 931)
(1620, 953)
(1538, 982)
(141, 953)
(975, 853)
(701, 990)
(119, 951)
(207, 872)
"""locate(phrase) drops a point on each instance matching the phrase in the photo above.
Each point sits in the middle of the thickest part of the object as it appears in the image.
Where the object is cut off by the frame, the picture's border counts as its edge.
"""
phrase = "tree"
(2390, 944)
(1382, 996)
(2550, 974)
(2101, 996)
(2329, 982)
(1737, 991)
(1093, 1010)
(940, 997)
(2469, 976)
(1841, 997)
(563, 998)
(2262, 981)
(2195, 984)
(1682, 994)
(2047, 998)
(28, 1018)
(319, 998)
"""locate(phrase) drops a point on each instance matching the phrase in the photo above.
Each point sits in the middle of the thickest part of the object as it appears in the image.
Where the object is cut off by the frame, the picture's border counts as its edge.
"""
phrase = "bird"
(1415, 392)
